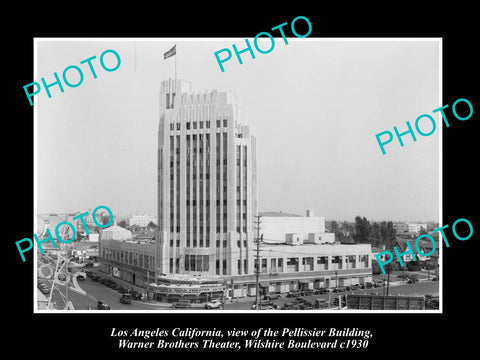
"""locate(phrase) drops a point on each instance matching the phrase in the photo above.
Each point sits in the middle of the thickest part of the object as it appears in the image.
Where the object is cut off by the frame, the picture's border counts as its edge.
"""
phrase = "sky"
(315, 106)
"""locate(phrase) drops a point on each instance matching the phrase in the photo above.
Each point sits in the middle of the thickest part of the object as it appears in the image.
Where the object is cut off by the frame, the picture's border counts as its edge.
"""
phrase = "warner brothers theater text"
(262, 338)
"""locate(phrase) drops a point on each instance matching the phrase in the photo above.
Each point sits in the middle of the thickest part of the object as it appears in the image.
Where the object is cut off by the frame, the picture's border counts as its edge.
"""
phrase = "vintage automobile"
(136, 295)
(272, 296)
(44, 288)
(214, 304)
(182, 304)
(102, 305)
(321, 304)
(126, 299)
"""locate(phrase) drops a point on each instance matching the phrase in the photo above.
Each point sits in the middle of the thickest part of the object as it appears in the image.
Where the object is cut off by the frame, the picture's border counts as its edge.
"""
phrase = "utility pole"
(257, 260)
(388, 279)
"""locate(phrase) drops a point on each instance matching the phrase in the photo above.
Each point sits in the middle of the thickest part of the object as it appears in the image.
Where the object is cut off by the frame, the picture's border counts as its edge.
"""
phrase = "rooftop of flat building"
(277, 214)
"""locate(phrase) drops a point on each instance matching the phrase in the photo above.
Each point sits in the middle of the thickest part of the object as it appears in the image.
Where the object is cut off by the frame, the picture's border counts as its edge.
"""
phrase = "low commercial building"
(298, 254)
(125, 258)
(288, 267)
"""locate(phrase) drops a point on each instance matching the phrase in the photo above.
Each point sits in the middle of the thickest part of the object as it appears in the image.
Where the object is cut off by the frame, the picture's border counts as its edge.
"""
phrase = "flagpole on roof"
(170, 53)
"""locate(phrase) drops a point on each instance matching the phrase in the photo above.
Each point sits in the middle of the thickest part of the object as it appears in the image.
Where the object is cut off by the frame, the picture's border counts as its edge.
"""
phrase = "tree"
(105, 219)
(362, 231)
(391, 232)
(376, 268)
(377, 237)
(123, 224)
(152, 225)
(334, 226)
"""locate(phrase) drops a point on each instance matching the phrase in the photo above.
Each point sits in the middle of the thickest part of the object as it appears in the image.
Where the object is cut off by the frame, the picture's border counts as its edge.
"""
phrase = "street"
(97, 291)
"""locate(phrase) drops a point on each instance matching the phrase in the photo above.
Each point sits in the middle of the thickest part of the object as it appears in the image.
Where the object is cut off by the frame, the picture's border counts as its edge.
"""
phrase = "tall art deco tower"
(207, 188)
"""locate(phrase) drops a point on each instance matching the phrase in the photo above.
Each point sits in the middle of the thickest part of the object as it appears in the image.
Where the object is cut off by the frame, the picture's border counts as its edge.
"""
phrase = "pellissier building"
(207, 211)
(207, 195)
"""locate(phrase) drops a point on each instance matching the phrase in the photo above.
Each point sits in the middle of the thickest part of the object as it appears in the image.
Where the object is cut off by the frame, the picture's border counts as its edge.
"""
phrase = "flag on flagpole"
(170, 52)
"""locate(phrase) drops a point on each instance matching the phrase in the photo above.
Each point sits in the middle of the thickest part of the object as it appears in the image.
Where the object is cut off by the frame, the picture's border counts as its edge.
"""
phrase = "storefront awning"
(304, 281)
(264, 284)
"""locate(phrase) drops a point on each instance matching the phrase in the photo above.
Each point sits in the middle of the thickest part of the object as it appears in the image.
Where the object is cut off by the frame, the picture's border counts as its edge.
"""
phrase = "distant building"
(377, 251)
(425, 247)
(142, 220)
(409, 227)
(278, 227)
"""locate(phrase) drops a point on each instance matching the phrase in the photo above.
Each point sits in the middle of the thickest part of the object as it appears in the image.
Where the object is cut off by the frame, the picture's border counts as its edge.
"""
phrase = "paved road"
(96, 291)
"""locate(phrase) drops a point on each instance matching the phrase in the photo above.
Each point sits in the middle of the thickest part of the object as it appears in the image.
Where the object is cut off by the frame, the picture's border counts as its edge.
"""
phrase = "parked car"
(272, 296)
(295, 293)
(126, 299)
(122, 290)
(305, 306)
(214, 304)
(413, 279)
(111, 284)
(265, 305)
(323, 291)
(102, 305)
(182, 304)
(432, 302)
(335, 302)
(354, 287)
(308, 292)
(290, 306)
(321, 304)
(45, 289)
(135, 294)
(81, 275)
